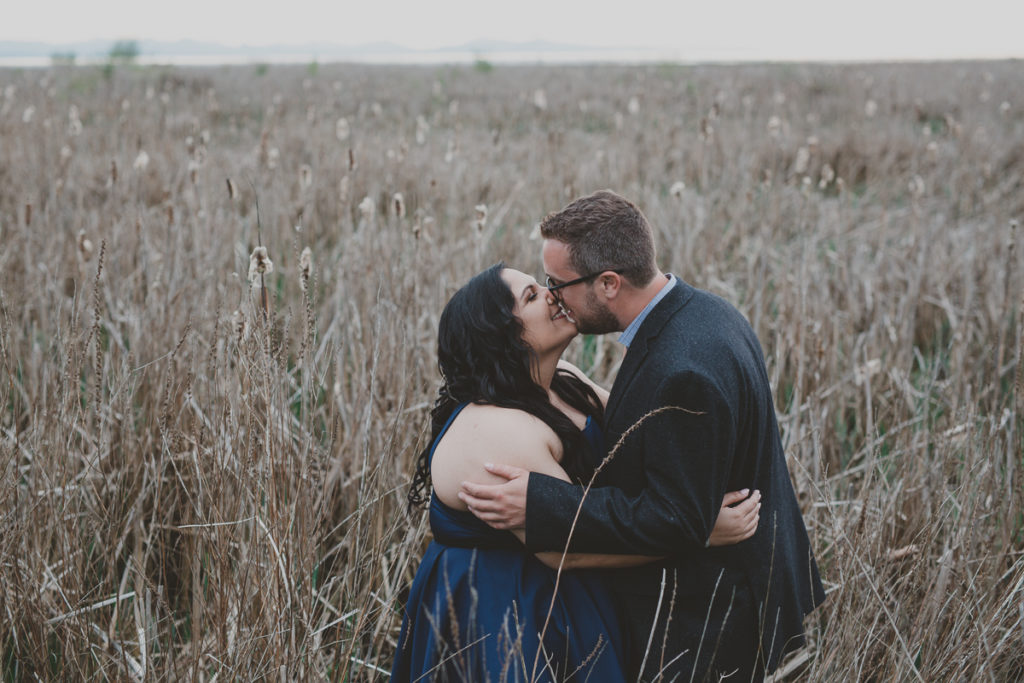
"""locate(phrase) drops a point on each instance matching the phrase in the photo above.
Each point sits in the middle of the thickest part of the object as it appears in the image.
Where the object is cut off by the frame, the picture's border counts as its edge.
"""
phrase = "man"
(702, 612)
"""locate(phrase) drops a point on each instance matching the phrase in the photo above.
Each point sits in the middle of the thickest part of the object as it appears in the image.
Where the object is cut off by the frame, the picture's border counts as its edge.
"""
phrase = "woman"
(481, 608)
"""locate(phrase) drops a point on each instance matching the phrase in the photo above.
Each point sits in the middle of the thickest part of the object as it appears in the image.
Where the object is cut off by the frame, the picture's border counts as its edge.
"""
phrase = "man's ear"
(610, 284)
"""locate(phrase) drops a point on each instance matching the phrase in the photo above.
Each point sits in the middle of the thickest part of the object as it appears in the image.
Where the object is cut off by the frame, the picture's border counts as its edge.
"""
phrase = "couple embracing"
(687, 558)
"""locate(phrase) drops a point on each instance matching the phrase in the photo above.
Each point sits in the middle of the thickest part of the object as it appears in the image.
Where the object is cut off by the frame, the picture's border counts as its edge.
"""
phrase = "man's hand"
(735, 524)
(503, 506)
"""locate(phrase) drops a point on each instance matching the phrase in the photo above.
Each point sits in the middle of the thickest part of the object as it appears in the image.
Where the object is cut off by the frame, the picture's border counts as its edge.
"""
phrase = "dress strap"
(451, 418)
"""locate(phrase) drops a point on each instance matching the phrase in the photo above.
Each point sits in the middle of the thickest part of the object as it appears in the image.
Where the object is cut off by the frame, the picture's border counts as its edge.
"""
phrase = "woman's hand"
(735, 524)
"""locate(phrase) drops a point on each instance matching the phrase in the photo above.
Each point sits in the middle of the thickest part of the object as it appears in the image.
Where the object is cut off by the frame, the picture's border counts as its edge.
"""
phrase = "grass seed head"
(305, 267)
(239, 325)
(480, 221)
(343, 189)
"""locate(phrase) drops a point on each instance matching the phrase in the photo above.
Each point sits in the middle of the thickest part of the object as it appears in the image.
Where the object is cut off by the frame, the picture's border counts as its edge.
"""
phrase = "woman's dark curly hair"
(483, 359)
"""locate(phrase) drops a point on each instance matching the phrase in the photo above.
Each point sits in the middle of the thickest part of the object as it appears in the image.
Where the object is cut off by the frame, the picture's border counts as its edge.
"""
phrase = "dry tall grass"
(190, 488)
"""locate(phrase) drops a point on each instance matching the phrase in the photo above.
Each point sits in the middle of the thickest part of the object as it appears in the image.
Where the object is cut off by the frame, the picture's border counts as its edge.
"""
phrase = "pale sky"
(755, 29)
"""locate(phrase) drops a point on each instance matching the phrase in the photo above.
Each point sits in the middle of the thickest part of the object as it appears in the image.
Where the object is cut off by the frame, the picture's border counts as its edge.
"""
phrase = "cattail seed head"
(422, 128)
(259, 264)
(803, 159)
(775, 126)
(305, 176)
(141, 161)
(707, 131)
(677, 189)
(84, 246)
(398, 205)
(540, 100)
(232, 189)
(828, 174)
(916, 186)
(367, 208)
(342, 129)
(74, 122)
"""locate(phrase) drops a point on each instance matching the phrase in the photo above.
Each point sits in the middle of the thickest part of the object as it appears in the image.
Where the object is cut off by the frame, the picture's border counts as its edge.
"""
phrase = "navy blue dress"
(479, 602)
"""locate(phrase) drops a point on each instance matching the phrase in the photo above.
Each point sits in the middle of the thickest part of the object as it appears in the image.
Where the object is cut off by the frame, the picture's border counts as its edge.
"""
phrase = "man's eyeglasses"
(555, 286)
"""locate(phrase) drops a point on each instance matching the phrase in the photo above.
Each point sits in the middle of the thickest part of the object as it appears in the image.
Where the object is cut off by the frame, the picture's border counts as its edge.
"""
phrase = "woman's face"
(545, 326)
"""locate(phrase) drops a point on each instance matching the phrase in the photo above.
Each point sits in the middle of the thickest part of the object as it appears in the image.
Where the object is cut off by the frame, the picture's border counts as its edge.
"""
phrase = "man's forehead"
(555, 256)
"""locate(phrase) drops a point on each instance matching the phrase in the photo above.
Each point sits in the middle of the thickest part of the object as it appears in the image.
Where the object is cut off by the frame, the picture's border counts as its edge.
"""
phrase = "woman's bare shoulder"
(490, 423)
(490, 434)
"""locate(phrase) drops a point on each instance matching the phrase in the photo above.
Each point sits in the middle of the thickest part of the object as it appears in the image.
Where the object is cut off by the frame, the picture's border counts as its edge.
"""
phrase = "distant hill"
(94, 49)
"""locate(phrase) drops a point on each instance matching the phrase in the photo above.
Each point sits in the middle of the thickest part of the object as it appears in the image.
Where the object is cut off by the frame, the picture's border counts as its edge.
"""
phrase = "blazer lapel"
(637, 352)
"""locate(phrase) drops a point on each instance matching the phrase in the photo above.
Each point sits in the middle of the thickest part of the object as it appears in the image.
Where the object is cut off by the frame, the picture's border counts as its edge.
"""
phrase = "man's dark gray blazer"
(661, 493)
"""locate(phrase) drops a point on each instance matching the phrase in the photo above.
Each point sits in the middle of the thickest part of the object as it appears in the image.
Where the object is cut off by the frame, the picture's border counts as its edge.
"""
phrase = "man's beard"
(596, 319)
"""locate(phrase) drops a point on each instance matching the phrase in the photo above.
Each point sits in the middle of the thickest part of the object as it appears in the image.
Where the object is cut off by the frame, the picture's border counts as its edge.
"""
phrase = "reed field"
(205, 480)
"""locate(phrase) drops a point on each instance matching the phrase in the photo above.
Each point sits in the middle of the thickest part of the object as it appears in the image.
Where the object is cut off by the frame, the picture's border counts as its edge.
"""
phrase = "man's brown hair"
(604, 231)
